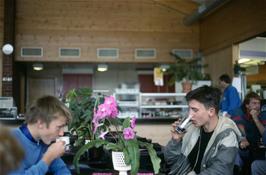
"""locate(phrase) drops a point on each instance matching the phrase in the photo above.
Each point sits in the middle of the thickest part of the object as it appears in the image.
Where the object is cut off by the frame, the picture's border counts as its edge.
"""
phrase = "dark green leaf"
(133, 154)
(153, 156)
(84, 148)
(113, 146)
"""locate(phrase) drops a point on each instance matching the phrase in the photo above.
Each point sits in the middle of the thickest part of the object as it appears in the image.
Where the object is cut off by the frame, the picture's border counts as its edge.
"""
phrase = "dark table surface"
(99, 161)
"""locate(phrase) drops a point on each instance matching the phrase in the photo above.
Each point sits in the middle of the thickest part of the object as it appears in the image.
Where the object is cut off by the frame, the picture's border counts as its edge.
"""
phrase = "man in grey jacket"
(210, 143)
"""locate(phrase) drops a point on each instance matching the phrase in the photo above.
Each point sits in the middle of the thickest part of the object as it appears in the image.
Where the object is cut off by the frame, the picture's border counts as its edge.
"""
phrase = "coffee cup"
(66, 139)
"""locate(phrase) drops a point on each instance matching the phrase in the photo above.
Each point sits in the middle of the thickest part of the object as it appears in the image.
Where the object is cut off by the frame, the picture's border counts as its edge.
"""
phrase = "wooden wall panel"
(238, 20)
(123, 24)
(258, 78)
(179, 6)
(219, 63)
(147, 84)
(71, 81)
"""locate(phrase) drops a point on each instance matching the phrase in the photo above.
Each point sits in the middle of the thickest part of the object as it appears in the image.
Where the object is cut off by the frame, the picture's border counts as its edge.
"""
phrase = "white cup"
(66, 139)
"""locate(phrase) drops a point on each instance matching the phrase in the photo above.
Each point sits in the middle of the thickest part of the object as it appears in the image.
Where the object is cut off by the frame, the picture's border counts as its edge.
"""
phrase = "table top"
(99, 162)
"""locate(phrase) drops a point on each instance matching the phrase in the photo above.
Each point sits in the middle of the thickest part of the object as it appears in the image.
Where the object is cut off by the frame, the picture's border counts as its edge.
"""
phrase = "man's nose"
(61, 132)
(190, 112)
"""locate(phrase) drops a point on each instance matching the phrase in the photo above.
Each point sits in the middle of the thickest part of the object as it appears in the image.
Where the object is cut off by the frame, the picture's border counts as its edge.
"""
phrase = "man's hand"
(54, 151)
(244, 143)
(254, 113)
(255, 117)
(176, 136)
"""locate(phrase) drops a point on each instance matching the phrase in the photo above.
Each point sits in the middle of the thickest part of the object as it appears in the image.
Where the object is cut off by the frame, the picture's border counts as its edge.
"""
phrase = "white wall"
(116, 74)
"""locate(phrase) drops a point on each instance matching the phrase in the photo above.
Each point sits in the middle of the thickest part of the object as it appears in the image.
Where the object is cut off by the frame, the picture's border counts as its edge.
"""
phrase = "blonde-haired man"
(44, 123)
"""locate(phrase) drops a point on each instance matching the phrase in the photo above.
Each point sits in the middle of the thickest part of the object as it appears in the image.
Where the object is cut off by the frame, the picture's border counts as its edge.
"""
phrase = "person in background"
(251, 123)
(258, 167)
(230, 98)
(210, 143)
(10, 152)
(44, 123)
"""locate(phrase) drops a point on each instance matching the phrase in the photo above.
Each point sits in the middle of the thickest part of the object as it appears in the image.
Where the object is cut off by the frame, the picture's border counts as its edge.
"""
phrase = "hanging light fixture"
(102, 67)
(37, 66)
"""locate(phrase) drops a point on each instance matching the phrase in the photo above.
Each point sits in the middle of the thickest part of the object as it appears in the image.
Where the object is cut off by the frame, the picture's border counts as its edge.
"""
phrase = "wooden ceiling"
(187, 6)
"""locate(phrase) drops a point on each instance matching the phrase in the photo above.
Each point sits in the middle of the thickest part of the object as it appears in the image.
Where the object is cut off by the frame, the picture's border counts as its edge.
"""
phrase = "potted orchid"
(121, 135)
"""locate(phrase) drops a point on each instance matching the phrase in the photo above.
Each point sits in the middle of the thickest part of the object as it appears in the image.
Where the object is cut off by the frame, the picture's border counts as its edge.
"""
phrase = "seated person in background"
(258, 167)
(210, 143)
(251, 124)
(11, 153)
(45, 121)
(230, 98)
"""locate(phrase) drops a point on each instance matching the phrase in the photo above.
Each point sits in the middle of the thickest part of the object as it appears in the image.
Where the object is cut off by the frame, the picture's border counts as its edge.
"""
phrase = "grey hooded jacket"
(219, 155)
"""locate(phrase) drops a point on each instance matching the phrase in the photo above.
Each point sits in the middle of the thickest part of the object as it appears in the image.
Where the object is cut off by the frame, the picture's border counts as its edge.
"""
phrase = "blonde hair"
(10, 152)
(46, 109)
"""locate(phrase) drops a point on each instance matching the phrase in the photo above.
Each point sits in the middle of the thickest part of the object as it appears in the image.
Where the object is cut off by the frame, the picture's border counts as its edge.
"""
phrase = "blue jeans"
(258, 167)
(242, 157)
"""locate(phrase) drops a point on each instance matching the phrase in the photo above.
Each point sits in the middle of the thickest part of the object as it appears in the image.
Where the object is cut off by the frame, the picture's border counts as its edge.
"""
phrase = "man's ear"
(40, 124)
(211, 111)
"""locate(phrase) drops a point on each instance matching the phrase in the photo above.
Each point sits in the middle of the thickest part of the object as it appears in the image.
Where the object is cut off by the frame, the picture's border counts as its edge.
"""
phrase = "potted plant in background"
(81, 103)
(187, 71)
(117, 135)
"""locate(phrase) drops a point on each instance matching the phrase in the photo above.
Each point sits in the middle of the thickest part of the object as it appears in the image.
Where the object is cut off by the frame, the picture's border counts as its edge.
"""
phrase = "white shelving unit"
(163, 105)
(128, 101)
(151, 105)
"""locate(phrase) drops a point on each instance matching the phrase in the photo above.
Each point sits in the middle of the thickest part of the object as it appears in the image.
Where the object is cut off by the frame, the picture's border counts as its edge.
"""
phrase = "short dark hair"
(248, 97)
(207, 95)
(226, 78)
(46, 109)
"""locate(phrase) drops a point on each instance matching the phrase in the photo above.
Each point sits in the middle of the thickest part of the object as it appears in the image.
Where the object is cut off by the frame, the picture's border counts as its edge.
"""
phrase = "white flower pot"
(119, 163)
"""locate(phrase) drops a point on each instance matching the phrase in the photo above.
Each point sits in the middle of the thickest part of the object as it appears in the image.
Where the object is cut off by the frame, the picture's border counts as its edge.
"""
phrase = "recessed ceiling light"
(102, 67)
(37, 66)
(243, 60)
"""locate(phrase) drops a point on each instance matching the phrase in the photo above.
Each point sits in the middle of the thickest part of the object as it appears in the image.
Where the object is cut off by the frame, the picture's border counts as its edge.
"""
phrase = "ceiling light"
(37, 66)
(260, 37)
(243, 60)
(102, 67)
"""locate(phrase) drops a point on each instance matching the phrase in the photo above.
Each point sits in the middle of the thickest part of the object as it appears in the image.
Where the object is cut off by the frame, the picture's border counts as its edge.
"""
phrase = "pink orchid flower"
(128, 133)
(103, 134)
(133, 122)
